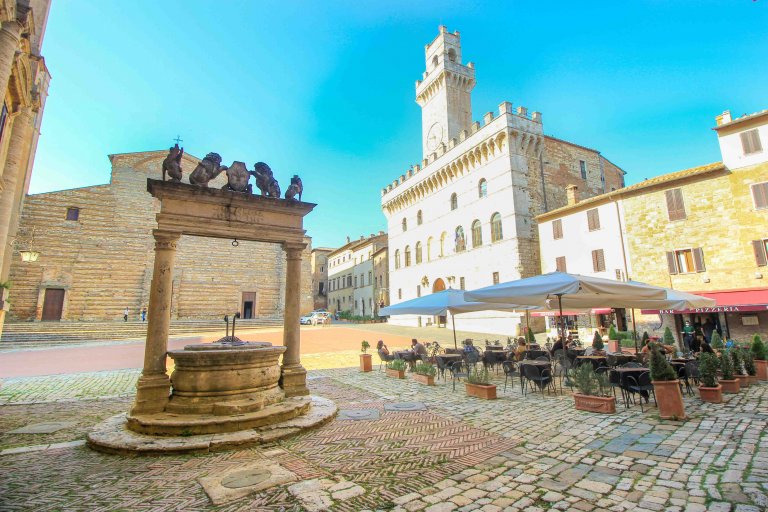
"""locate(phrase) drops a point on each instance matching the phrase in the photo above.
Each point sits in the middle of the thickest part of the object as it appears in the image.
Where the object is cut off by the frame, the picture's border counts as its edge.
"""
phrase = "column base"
(2, 320)
(293, 380)
(152, 394)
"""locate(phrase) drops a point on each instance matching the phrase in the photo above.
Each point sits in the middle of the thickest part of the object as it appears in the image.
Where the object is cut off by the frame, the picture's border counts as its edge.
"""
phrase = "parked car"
(314, 318)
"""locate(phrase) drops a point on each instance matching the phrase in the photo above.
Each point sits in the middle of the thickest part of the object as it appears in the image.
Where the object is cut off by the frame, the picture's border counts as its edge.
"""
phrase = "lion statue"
(265, 180)
(295, 188)
(207, 170)
(172, 163)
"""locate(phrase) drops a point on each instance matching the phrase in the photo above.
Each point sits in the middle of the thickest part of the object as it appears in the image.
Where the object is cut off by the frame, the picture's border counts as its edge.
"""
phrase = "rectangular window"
(418, 290)
(73, 213)
(593, 219)
(560, 264)
(583, 168)
(370, 277)
(760, 195)
(750, 142)
(598, 260)
(495, 278)
(399, 293)
(675, 204)
(686, 261)
(461, 283)
(761, 252)
(355, 281)
(557, 229)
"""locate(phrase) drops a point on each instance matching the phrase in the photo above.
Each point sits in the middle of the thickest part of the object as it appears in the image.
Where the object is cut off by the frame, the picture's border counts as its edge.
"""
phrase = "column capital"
(294, 249)
(11, 28)
(165, 239)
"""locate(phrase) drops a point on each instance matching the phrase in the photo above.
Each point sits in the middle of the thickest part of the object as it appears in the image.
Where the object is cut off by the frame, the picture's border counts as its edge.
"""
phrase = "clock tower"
(444, 92)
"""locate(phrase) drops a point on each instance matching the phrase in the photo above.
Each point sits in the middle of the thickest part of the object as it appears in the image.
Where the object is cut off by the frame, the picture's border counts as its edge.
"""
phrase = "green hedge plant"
(749, 362)
(612, 334)
(660, 368)
(738, 361)
(758, 349)
(588, 382)
(716, 342)
(708, 365)
(726, 366)
(479, 375)
(425, 369)
(397, 364)
(669, 339)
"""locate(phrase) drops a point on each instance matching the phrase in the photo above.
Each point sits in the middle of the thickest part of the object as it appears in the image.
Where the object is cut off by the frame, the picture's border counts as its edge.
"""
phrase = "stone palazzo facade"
(464, 217)
(97, 252)
(24, 80)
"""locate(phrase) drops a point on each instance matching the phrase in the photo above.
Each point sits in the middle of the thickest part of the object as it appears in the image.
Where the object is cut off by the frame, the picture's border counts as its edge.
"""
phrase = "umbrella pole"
(634, 331)
(453, 323)
(562, 327)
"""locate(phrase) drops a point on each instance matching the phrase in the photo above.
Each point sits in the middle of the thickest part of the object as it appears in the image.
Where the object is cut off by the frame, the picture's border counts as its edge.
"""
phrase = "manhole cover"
(405, 406)
(358, 414)
(246, 478)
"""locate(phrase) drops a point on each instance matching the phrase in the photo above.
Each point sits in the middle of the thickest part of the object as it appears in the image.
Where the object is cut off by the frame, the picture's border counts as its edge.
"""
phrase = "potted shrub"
(749, 365)
(728, 381)
(365, 359)
(709, 390)
(760, 355)
(597, 344)
(666, 386)
(530, 338)
(479, 385)
(396, 368)
(738, 368)
(591, 386)
(716, 342)
(669, 339)
(424, 373)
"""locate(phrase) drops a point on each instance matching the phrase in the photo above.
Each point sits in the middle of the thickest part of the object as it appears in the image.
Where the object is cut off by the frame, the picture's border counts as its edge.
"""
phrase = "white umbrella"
(442, 302)
(571, 290)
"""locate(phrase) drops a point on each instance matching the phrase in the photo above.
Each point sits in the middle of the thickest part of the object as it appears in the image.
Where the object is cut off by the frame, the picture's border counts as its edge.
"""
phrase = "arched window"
(418, 218)
(405, 225)
(459, 241)
(418, 252)
(482, 188)
(429, 248)
(442, 243)
(452, 55)
(454, 201)
(407, 255)
(477, 234)
(397, 259)
(496, 233)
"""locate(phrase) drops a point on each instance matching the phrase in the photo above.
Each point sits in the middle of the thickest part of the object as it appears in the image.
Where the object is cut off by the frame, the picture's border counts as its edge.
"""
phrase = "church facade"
(464, 217)
(97, 252)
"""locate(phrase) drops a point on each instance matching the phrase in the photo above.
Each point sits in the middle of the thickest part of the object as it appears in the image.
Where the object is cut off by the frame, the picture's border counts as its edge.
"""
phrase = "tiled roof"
(745, 117)
(632, 189)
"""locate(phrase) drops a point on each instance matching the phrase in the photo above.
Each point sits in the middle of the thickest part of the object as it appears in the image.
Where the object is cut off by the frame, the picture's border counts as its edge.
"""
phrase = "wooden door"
(248, 307)
(53, 303)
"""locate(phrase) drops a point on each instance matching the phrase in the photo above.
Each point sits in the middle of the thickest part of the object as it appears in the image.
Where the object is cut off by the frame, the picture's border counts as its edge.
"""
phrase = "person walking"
(144, 314)
(125, 314)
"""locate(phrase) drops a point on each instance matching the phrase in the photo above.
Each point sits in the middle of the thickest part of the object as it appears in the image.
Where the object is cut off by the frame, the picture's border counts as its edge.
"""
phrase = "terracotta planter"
(613, 346)
(398, 374)
(603, 404)
(713, 395)
(428, 380)
(730, 386)
(366, 364)
(670, 399)
(762, 369)
(743, 381)
(481, 391)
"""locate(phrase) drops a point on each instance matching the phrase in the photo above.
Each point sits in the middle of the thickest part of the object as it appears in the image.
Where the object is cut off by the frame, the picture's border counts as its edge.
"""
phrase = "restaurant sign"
(715, 309)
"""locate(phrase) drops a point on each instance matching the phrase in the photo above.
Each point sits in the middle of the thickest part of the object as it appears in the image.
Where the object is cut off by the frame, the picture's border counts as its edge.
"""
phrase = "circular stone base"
(112, 435)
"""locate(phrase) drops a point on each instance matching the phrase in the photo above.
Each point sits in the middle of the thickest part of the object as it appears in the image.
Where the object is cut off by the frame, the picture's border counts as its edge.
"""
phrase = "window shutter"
(595, 264)
(593, 219)
(698, 259)
(675, 205)
(671, 263)
(560, 264)
(760, 256)
(760, 195)
(601, 260)
(750, 142)
(557, 229)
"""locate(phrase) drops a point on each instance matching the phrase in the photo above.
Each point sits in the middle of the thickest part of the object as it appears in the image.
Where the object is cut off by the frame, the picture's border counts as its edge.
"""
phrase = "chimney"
(572, 192)
(348, 240)
(381, 233)
(372, 235)
(723, 118)
(362, 237)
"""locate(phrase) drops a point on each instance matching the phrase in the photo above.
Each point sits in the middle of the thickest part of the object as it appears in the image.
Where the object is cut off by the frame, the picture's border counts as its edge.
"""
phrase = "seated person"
(649, 344)
(418, 349)
(557, 346)
(522, 348)
(383, 351)
(706, 348)
(696, 343)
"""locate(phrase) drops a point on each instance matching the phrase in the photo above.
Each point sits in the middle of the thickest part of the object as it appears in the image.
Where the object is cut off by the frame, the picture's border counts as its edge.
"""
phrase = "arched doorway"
(438, 286)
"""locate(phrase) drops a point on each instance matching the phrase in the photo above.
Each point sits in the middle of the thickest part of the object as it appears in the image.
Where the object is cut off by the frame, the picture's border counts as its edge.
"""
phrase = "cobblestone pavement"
(517, 453)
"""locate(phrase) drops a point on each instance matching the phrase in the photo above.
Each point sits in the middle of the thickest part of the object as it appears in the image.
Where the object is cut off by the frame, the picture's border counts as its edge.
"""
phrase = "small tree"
(749, 362)
(669, 339)
(588, 382)
(726, 366)
(425, 369)
(708, 370)
(596, 338)
(758, 348)
(479, 375)
(529, 337)
(364, 346)
(612, 334)
(660, 368)
(716, 341)
(597, 342)
(738, 361)
(397, 364)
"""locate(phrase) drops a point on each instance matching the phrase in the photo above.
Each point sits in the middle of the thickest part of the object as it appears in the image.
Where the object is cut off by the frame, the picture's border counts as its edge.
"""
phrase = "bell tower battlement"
(444, 92)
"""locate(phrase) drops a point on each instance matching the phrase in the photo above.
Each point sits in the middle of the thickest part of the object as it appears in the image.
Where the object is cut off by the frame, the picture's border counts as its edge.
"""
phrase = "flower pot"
(762, 369)
(486, 392)
(669, 398)
(713, 395)
(398, 374)
(603, 404)
(730, 386)
(613, 346)
(365, 363)
(743, 381)
(428, 380)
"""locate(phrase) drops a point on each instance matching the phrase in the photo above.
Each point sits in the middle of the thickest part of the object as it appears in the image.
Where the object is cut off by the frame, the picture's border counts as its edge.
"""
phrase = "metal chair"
(383, 359)
(441, 367)
(458, 370)
(682, 376)
(510, 369)
(639, 386)
(692, 369)
(540, 377)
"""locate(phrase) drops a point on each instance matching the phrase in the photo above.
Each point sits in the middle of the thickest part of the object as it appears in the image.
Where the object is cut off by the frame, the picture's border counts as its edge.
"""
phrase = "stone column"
(10, 32)
(13, 175)
(154, 385)
(293, 375)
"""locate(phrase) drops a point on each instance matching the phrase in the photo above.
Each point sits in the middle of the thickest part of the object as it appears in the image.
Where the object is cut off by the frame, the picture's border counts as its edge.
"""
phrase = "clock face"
(435, 136)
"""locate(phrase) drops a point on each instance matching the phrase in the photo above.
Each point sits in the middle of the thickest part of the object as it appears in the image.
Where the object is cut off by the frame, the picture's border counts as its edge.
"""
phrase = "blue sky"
(326, 89)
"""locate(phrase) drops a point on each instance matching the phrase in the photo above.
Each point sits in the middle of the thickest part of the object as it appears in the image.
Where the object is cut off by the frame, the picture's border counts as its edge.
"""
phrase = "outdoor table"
(494, 357)
(597, 361)
(445, 361)
(495, 348)
(573, 353)
(624, 358)
(454, 351)
(533, 354)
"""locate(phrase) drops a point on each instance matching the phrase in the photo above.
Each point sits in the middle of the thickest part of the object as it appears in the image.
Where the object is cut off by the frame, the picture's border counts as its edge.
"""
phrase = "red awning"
(729, 301)
(596, 311)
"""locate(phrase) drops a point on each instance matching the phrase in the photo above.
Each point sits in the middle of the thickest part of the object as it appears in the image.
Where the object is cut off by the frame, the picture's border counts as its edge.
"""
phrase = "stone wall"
(104, 260)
